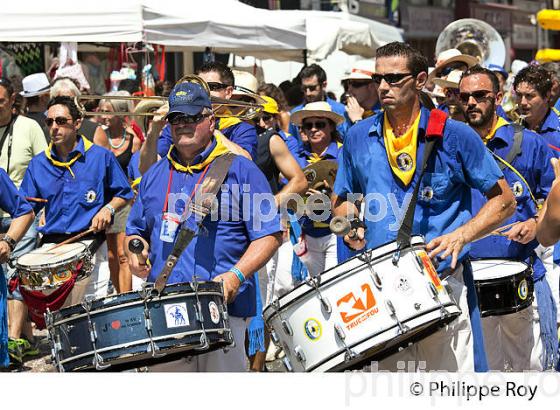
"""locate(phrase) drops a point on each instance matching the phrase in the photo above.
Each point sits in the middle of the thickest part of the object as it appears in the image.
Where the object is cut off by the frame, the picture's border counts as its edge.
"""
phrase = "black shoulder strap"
(516, 148)
(434, 132)
(7, 131)
(204, 197)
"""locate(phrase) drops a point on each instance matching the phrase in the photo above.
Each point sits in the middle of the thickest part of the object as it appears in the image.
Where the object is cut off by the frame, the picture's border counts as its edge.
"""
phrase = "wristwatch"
(10, 241)
(110, 208)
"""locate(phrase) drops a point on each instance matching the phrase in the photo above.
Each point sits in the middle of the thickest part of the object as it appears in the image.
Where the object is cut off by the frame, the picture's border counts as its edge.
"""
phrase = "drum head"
(486, 269)
(44, 257)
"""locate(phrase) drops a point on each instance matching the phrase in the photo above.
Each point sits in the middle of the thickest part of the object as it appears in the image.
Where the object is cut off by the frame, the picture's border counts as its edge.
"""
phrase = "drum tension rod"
(314, 282)
(402, 327)
(366, 257)
(147, 294)
(97, 358)
(203, 343)
(350, 354)
(435, 296)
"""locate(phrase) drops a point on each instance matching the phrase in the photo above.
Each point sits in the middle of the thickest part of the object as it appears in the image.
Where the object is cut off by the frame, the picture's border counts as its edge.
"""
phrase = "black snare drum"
(135, 329)
(502, 286)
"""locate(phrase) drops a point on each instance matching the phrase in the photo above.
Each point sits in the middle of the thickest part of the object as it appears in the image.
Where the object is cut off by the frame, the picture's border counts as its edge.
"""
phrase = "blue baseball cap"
(188, 99)
(499, 69)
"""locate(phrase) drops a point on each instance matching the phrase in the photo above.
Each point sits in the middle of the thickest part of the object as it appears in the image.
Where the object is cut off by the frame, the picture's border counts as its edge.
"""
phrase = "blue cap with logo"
(499, 69)
(188, 99)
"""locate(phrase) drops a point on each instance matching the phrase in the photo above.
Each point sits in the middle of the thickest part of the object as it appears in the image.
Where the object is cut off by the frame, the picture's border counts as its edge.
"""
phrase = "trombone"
(221, 107)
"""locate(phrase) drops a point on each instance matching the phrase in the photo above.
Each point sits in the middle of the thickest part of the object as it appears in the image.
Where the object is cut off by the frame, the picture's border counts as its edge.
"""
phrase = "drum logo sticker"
(429, 267)
(90, 196)
(357, 307)
(404, 162)
(402, 285)
(523, 289)
(313, 329)
(214, 312)
(176, 315)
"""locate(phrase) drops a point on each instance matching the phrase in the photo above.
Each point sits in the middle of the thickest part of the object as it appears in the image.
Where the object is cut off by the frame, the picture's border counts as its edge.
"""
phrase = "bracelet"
(11, 242)
(238, 273)
(110, 208)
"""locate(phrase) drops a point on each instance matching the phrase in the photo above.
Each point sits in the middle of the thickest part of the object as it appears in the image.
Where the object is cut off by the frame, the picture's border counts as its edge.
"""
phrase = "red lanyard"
(192, 192)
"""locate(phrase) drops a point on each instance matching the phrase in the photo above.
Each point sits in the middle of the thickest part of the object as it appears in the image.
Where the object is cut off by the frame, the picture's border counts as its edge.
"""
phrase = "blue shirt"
(243, 134)
(457, 164)
(11, 200)
(132, 170)
(73, 202)
(222, 240)
(309, 227)
(337, 107)
(291, 141)
(550, 130)
(502, 113)
(533, 164)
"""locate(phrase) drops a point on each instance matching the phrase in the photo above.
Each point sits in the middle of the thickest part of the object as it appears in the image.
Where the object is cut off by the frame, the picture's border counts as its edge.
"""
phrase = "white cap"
(517, 66)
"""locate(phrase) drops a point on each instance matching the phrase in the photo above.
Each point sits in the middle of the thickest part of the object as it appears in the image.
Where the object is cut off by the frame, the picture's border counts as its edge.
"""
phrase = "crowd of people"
(113, 179)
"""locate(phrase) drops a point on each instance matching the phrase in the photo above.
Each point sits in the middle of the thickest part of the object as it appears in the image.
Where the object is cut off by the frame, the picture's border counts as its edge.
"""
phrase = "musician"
(12, 202)
(459, 163)
(516, 341)
(229, 248)
(83, 184)
(450, 86)
(362, 101)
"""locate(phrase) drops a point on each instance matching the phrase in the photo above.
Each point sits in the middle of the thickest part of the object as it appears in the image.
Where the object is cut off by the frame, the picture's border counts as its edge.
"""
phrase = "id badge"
(169, 224)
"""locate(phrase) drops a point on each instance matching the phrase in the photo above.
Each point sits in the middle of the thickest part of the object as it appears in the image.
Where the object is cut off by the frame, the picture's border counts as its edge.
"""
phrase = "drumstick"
(32, 199)
(73, 239)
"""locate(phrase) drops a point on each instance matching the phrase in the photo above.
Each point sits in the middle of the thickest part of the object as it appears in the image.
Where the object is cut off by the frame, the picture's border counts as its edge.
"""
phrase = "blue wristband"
(238, 273)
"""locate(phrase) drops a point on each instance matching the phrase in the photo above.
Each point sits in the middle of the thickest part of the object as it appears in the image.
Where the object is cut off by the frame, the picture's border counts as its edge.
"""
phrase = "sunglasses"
(214, 86)
(390, 79)
(454, 66)
(186, 119)
(266, 117)
(310, 87)
(358, 84)
(59, 121)
(309, 125)
(478, 96)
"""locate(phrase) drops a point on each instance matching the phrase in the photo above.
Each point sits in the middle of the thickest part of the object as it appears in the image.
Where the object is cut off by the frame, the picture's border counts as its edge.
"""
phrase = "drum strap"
(203, 199)
(434, 133)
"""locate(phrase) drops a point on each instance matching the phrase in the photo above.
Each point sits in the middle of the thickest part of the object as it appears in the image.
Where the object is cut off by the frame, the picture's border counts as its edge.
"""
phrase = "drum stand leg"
(203, 343)
(402, 327)
(147, 296)
(54, 340)
(97, 358)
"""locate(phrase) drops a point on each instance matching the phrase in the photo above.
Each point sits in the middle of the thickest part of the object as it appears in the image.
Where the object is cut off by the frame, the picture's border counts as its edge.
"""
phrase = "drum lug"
(314, 283)
(419, 262)
(300, 355)
(350, 354)
(287, 328)
(402, 327)
(396, 257)
(287, 364)
(435, 296)
(274, 338)
(203, 343)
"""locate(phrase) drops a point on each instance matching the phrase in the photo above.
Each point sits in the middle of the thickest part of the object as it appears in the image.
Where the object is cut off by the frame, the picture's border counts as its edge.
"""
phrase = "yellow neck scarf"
(367, 114)
(401, 151)
(313, 157)
(224, 123)
(219, 150)
(48, 152)
(500, 123)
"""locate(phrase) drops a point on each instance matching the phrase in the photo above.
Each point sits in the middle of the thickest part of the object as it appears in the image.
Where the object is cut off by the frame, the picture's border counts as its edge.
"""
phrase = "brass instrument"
(221, 107)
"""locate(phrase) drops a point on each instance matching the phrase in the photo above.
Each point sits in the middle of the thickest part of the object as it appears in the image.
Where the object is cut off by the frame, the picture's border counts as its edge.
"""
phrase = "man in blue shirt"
(83, 186)
(12, 202)
(516, 341)
(232, 245)
(362, 101)
(374, 165)
(314, 87)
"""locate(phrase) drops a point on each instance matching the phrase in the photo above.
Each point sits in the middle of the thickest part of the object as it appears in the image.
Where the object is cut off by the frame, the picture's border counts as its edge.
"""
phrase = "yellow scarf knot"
(48, 152)
(401, 151)
(219, 150)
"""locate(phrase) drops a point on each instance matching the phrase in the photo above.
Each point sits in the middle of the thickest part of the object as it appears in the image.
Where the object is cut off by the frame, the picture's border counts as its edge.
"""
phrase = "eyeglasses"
(59, 121)
(478, 96)
(266, 117)
(214, 86)
(358, 84)
(309, 125)
(390, 79)
(186, 119)
(310, 87)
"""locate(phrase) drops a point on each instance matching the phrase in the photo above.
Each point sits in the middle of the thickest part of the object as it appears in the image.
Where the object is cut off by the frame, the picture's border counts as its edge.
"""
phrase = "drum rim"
(31, 268)
(527, 272)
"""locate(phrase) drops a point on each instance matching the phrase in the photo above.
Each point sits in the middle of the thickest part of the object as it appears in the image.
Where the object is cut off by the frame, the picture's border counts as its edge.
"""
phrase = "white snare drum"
(364, 308)
(43, 269)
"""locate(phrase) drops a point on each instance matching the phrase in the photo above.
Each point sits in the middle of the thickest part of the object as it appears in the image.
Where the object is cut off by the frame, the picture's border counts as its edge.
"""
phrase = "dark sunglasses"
(186, 119)
(478, 96)
(266, 117)
(390, 79)
(358, 84)
(309, 125)
(59, 121)
(216, 86)
(310, 87)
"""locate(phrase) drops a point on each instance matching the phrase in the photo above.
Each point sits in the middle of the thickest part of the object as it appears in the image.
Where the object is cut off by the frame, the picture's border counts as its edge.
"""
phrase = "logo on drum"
(176, 315)
(523, 289)
(355, 308)
(402, 285)
(313, 329)
(214, 312)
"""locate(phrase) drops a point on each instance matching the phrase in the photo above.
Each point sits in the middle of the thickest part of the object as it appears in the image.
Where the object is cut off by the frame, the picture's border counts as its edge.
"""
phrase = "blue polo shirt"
(291, 141)
(222, 240)
(337, 107)
(243, 134)
(457, 164)
(550, 130)
(74, 201)
(11, 200)
(533, 164)
(309, 227)
(502, 113)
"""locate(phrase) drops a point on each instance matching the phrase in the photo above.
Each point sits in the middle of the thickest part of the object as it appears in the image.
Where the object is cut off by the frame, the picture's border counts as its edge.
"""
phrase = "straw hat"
(320, 109)
(451, 81)
(447, 57)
